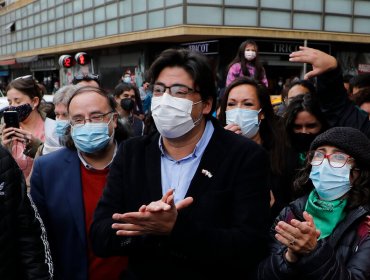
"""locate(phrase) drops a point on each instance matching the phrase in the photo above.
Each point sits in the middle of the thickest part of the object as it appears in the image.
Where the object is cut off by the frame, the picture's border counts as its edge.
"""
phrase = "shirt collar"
(199, 147)
(89, 167)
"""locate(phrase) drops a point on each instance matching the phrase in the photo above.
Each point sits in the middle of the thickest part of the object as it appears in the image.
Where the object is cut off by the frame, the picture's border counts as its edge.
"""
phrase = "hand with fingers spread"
(299, 237)
(321, 62)
(158, 217)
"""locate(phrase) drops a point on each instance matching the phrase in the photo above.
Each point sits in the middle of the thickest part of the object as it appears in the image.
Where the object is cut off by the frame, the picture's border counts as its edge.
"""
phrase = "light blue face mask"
(246, 119)
(91, 137)
(60, 127)
(330, 183)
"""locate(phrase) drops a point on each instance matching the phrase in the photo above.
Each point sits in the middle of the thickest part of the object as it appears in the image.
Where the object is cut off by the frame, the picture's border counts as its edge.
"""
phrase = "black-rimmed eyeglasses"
(176, 90)
(336, 160)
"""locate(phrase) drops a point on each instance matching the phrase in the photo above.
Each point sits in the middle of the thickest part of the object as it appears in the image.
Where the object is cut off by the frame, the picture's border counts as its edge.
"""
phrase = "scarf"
(326, 214)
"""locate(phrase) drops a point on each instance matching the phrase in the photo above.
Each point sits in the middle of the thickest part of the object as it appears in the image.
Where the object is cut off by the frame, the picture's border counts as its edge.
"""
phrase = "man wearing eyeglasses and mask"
(67, 184)
(191, 201)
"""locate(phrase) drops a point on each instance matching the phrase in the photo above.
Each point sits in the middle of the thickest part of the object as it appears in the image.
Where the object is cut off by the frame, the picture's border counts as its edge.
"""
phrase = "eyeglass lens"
(335, 160)
(175, 89)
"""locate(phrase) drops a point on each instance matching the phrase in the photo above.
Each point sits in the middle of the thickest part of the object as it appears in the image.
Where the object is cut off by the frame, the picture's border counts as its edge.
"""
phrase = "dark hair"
(360, 81)
(347, 78)
(301, 103)
(121, 87)
(270, 129)
(304, 83)
(120, 132)
(195, 64)
(28, 86)
(240, 58)
(359, 193)
(362, 96)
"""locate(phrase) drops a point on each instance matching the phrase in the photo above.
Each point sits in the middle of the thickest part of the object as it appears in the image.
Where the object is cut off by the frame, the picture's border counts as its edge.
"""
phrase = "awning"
(27, 59)
(7, 62)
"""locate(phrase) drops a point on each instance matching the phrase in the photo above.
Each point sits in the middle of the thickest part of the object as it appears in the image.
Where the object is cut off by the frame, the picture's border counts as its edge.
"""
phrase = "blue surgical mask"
(246, 119)
(60, 127)
(91, 137)
(330, 183)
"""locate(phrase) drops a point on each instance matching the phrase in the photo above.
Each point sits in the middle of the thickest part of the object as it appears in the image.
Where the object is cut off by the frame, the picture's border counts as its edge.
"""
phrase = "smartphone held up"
(11, 119)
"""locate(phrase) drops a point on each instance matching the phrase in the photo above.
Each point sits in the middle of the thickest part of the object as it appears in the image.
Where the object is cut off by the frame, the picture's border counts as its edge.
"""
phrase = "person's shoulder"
(235, 66)
(6, 159)
(231, 140)
(141, 141)
(56, 156)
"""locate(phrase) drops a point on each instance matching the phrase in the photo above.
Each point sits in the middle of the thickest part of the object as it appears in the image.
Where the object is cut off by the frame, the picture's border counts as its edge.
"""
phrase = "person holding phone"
(24, 96)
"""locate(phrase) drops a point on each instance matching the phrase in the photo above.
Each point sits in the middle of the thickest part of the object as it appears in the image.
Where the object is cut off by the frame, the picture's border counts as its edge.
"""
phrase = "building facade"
(128, 34)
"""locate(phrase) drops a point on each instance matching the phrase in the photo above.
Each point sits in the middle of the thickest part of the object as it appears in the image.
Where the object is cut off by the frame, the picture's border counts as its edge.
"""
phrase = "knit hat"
(352, 141)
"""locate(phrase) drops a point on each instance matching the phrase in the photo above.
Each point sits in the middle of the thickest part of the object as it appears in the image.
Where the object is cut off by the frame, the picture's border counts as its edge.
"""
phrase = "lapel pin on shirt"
(207, 173)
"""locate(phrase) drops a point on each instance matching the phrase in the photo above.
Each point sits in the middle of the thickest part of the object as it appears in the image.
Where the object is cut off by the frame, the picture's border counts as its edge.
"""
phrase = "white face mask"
(246, 119)
(172, 115)
(127, 80)
(250, 55)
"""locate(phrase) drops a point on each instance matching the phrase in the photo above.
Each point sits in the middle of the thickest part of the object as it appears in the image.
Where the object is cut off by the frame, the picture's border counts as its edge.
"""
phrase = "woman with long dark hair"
(246, 110)
(246, 64)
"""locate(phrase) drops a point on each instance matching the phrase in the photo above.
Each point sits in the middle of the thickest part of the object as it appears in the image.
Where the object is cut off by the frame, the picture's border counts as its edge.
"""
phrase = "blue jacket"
(56, 190)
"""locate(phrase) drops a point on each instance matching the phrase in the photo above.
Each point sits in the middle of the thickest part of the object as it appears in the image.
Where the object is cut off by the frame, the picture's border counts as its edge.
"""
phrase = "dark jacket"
(221, 235)
(345, 254)
(338, 109)
(24, 249)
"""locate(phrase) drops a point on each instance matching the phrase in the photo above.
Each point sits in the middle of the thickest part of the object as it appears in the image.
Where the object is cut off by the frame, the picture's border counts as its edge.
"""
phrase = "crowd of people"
(150, 181)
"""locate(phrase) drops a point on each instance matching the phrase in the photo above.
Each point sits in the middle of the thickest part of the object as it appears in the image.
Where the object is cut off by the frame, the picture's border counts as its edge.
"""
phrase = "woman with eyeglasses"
(324, 234)
(24, 96)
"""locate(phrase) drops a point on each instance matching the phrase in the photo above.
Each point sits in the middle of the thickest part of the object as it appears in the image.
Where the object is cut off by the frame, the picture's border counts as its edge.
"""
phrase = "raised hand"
(321, 62)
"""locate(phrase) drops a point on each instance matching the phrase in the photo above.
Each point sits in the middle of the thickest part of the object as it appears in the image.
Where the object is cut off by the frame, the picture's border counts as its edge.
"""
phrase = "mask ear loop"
(201, 114)
(259, 121)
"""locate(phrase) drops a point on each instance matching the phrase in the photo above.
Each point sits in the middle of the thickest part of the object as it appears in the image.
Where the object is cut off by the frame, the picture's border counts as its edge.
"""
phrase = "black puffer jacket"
(24, 250)
(345, 254)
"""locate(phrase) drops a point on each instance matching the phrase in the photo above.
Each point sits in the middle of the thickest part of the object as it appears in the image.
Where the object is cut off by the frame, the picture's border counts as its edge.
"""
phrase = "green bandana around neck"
(326, 214)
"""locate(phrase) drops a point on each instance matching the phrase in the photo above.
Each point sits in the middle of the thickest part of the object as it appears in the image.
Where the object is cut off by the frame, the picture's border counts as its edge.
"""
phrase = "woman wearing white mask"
(246, 63)
(324, 233)
(246, 110)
